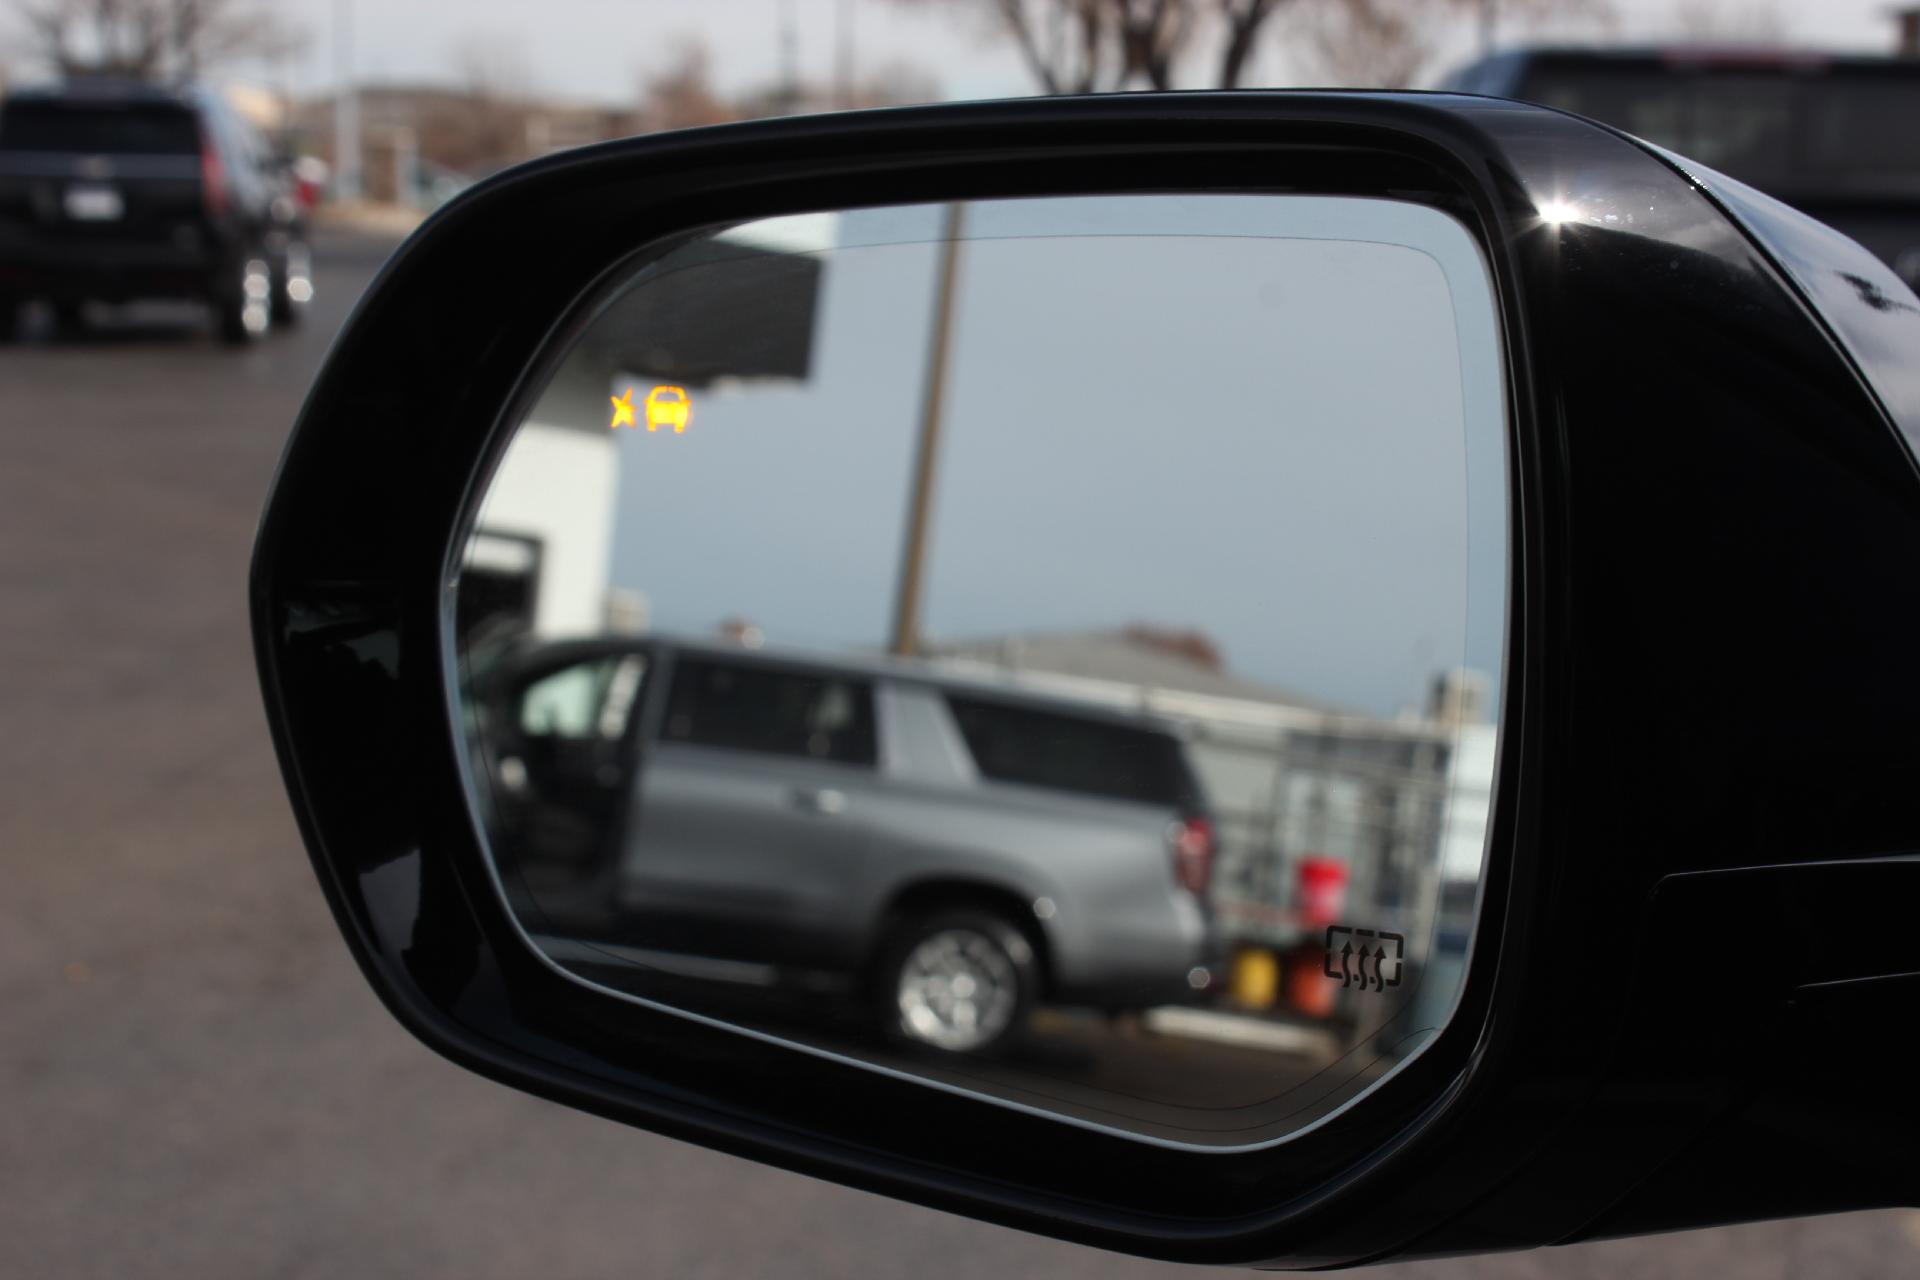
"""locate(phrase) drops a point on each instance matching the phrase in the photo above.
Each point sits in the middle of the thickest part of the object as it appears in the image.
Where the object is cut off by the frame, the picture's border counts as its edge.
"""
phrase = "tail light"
(1192, 842)
(213, 178)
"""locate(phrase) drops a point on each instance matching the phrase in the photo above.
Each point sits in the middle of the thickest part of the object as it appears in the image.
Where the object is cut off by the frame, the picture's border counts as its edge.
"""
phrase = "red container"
(1309, 990)
(1321, 893)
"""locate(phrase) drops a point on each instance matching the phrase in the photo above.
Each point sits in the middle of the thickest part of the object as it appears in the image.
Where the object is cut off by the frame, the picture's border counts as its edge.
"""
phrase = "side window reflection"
(743, 708)
(592, 700)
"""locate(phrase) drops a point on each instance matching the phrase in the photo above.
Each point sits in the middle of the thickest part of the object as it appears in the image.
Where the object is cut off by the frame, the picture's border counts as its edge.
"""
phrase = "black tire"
(70, 319)
(285, 312)
(10, 317)
(979, 1004)
(229, 319)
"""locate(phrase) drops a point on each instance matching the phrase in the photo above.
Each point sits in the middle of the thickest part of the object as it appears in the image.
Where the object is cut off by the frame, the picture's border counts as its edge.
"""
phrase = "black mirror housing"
(1702, 846)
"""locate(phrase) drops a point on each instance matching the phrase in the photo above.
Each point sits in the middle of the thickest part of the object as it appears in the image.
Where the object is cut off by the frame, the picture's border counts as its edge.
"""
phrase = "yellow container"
(1255, 979)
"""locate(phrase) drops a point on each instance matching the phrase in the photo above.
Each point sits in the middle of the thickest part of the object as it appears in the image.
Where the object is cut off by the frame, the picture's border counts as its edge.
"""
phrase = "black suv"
(110, 192)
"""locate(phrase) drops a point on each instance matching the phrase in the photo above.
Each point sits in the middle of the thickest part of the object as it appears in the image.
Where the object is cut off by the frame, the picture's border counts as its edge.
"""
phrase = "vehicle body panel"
(1826, 133)
(158, 231)
(768, 857)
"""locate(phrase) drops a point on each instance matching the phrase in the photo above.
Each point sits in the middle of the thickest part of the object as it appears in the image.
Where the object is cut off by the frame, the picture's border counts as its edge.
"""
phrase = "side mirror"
(1246, 678)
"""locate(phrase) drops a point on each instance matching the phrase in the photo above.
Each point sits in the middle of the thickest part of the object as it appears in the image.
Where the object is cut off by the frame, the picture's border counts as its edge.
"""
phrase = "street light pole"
(346, 106)
(843, 56)
(913, 555)
(789, 59)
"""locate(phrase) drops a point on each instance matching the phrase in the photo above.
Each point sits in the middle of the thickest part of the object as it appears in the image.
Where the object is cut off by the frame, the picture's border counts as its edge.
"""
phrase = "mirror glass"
(1051, 648)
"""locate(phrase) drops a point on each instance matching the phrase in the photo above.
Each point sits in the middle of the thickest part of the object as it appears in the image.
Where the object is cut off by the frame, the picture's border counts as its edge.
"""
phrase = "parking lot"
(196, 1080)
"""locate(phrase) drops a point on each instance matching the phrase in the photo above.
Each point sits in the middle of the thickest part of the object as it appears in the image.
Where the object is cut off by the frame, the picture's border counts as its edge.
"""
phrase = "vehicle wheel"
(10, 316)
(241, 305)
(292, 285)
(960, 981)
(69, 319)
(285, 313)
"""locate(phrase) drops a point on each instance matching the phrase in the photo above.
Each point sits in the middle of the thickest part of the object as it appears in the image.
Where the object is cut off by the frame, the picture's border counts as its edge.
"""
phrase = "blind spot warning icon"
(668, 407)
(622, 410)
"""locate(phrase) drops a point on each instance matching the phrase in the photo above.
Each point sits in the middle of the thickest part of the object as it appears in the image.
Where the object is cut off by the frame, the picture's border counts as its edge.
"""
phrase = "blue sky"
(1260, 437)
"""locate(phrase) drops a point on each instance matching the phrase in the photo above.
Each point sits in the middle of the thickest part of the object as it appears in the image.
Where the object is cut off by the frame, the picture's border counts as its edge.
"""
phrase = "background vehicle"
(865, 819)
(1827, 133)
(111, 192)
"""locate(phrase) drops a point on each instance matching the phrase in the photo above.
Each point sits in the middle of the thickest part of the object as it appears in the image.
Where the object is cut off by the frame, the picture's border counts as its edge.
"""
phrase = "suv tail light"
(213, 178)
(1192, 841)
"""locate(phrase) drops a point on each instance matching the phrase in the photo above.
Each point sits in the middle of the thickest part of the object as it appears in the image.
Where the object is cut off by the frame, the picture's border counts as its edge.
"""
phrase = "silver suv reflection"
(949, 849)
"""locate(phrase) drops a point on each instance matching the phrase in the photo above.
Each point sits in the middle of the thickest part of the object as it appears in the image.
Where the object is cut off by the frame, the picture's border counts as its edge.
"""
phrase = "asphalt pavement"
(194, 1079)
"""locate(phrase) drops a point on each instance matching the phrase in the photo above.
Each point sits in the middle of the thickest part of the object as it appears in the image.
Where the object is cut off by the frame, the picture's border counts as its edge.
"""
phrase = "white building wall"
(1469, 802)
(558, 486)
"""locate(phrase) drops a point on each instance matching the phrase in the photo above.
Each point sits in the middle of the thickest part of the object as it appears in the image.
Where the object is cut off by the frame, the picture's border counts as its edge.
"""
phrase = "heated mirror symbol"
(1352, 952)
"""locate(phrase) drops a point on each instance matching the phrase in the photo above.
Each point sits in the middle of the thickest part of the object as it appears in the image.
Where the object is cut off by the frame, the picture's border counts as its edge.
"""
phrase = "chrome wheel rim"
(256, 288)
(957, 990)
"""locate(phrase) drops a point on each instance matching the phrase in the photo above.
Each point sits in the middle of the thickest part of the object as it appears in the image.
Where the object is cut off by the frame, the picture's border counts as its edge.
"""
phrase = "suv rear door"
(563, 776)
(750, 838)
(1079, 754)
(79, 169)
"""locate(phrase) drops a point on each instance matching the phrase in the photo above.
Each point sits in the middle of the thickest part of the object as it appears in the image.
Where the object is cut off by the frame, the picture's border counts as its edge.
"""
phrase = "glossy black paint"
(1707, 769)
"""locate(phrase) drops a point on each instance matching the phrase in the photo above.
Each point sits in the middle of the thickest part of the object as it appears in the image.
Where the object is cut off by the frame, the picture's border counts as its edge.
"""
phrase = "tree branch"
(1244, 19)
(1014, 14)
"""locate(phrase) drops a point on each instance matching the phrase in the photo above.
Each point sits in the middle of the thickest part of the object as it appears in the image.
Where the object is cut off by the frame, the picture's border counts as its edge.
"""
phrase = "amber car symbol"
(668, 407)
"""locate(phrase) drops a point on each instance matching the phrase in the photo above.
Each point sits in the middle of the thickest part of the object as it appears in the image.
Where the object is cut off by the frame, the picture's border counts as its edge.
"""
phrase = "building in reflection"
(1398, 805)
(539, 562)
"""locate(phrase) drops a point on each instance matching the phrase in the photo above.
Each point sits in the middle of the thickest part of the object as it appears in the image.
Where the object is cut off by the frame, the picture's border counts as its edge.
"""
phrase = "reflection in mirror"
(1048, 647)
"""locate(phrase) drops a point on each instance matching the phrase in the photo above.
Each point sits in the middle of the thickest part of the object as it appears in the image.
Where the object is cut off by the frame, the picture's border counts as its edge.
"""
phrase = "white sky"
(601, 49)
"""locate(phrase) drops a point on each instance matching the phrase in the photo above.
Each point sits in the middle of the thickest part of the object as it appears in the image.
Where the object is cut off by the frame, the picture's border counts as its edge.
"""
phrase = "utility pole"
(789, 60)
(843, 56)
(346, 106)
(1906, 23)
(913, 553)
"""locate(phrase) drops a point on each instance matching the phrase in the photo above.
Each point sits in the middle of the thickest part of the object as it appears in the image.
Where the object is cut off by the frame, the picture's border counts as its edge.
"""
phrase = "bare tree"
(1368, 43)
(1091, 46)
(1755, 20)
(684, 95)
(1150, 34)
(492, 120)
(892, 84)
(1063, 42)
(1243, 20)
(151, 39)
(1391, 44)
(1118, 44)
